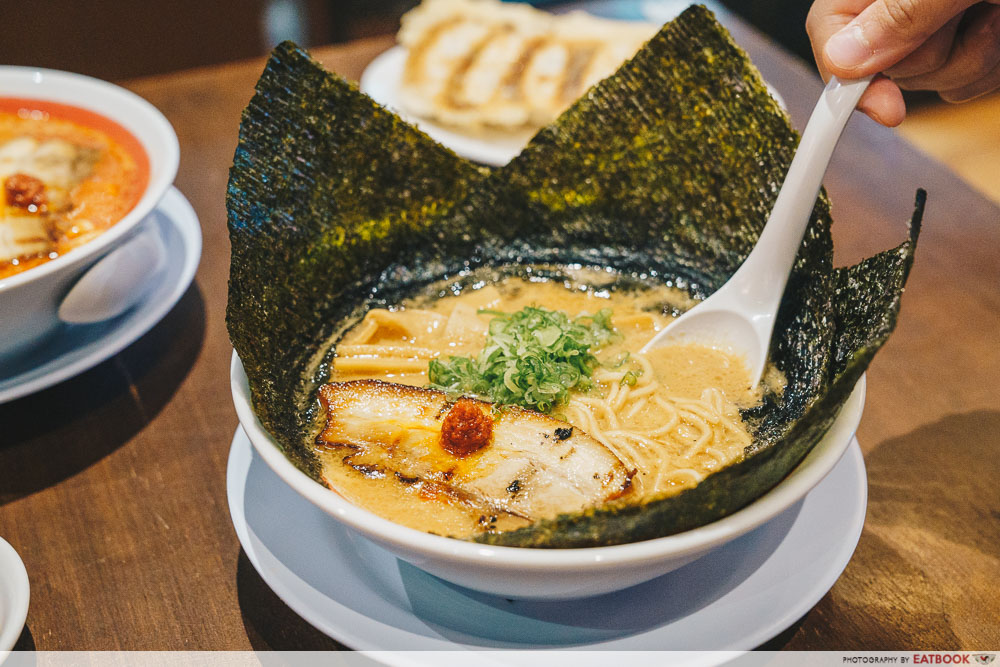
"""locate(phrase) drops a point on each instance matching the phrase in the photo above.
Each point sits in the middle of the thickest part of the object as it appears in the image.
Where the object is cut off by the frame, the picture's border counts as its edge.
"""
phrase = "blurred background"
(111, 39)
(115, 40)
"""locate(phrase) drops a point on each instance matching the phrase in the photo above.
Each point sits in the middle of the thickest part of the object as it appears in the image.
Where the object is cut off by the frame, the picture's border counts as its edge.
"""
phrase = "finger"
(825, 19)
(883, 102)
(929, 56)
(987, 84)
(974, 56)
(886, 32)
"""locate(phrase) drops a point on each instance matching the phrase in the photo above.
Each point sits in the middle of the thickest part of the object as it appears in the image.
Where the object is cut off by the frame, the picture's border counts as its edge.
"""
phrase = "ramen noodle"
(642, 425)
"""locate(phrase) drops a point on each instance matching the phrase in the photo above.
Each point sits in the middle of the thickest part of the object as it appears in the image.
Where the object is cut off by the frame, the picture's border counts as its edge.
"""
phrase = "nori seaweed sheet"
(667, 169)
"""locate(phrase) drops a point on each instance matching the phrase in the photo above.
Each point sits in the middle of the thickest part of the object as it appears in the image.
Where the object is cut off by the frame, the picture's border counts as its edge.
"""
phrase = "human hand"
(948, 46)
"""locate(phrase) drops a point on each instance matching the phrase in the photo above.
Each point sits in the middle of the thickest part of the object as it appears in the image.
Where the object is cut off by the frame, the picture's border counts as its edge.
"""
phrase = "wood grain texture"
(931, 544)
(966, 137)
(112, 484)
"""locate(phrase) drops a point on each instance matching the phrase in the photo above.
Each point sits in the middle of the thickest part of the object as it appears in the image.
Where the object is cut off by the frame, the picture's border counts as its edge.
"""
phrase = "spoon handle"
(763, 275)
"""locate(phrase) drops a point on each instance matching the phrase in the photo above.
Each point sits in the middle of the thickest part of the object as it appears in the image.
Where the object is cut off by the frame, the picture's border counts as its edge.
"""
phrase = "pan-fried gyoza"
(485, 63)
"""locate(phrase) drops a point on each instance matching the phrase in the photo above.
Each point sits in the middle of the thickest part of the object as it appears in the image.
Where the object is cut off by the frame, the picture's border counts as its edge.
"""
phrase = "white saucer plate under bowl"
(14, 594)
(76, 348)
(733, 599)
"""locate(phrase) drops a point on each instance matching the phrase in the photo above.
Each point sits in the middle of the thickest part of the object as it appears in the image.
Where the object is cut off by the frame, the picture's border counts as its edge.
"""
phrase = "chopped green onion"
(631, 377)
(532, 358)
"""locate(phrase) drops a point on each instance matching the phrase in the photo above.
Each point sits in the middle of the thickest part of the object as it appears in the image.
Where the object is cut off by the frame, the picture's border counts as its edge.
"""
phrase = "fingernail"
(848, 49)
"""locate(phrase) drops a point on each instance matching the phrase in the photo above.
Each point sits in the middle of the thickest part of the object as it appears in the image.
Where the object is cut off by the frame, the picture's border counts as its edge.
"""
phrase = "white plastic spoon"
(740, 315)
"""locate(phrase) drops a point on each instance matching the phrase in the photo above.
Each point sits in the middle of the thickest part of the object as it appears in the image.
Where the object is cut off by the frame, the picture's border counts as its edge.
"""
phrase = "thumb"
(886, 32)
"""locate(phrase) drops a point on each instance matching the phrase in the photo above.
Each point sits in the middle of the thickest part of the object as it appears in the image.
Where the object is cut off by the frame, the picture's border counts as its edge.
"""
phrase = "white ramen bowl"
(30, 301)
(554, 574)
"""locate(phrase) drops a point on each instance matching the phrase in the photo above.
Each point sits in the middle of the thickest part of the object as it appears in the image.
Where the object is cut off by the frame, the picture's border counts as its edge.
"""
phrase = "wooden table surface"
(113, 489)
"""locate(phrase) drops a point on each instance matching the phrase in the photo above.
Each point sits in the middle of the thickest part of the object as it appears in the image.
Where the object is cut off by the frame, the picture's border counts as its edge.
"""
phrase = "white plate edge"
(187, 224)
(344, 636)
(380, 81)
(13, 573)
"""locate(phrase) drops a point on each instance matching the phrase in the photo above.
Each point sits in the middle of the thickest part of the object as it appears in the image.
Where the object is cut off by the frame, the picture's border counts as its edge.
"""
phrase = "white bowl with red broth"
(82, 163)
(398, 469)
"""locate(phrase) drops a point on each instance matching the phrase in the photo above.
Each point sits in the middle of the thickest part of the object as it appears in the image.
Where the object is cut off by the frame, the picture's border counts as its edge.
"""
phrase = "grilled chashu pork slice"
(502, 460)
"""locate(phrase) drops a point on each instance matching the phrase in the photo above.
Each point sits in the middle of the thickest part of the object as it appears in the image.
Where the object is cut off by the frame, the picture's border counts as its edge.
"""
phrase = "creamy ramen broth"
(671, 416)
